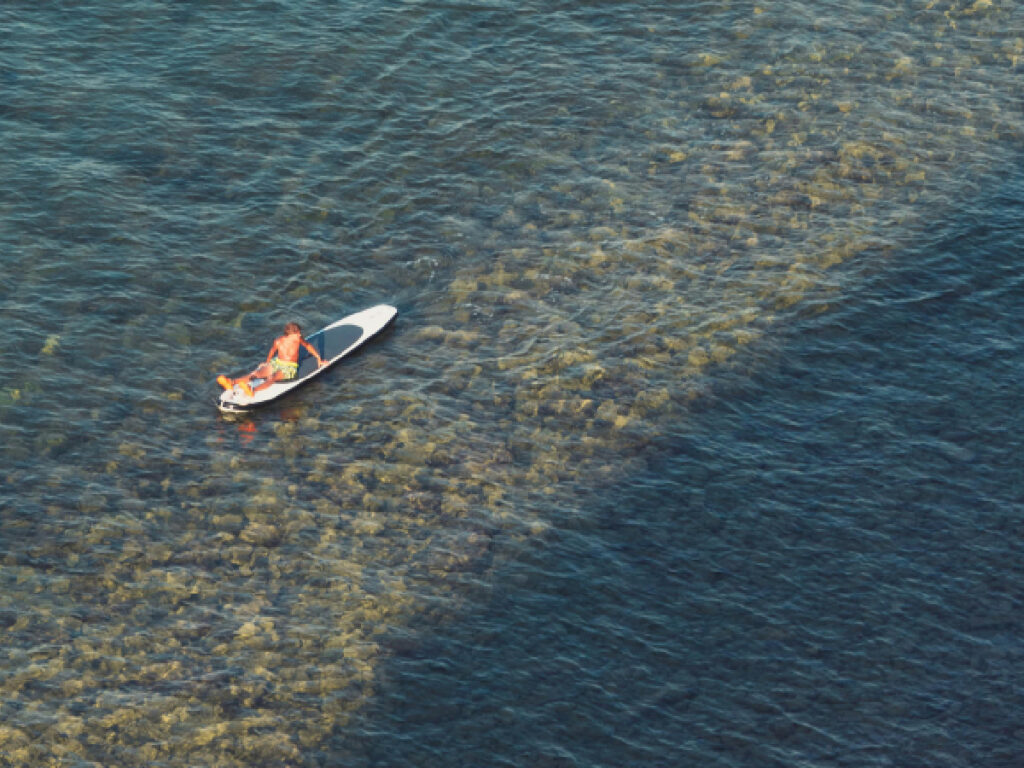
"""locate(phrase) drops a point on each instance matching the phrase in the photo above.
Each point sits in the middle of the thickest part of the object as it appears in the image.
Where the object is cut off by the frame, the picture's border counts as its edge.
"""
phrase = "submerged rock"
(261, 534)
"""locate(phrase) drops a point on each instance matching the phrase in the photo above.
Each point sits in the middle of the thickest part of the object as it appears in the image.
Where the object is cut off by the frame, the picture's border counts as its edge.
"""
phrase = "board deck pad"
(332, 344)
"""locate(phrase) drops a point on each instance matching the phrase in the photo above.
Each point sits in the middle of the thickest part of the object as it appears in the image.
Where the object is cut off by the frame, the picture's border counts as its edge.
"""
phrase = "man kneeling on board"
(282, 362)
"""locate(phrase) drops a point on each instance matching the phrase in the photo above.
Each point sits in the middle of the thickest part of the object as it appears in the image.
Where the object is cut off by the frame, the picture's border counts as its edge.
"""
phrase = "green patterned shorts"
(288, 370)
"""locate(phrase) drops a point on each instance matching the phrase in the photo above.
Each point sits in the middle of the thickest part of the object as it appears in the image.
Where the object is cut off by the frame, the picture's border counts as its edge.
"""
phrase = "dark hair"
(291, 328)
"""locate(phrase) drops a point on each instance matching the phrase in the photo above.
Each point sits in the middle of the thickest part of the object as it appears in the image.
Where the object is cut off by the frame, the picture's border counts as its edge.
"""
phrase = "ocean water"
(696, 440)
(822, 567)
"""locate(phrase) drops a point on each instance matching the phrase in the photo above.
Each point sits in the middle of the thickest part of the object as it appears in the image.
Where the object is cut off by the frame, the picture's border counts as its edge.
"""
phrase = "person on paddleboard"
(282, 362)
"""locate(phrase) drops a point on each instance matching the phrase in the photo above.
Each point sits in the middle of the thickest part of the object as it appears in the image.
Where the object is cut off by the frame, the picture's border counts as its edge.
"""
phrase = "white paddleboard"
(332, 343)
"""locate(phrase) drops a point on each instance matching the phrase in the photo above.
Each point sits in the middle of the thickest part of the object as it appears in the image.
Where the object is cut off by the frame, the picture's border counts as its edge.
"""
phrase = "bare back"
(287, 347)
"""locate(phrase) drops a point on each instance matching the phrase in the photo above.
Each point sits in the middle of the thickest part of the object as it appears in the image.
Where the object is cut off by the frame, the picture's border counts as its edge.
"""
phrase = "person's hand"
(322, 363)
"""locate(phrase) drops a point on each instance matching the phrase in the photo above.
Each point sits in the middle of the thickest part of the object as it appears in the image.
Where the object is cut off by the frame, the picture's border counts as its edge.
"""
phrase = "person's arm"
(313, 352)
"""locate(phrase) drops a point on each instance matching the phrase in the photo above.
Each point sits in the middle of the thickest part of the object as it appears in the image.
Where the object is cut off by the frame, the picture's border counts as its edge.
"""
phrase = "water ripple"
(591, 218)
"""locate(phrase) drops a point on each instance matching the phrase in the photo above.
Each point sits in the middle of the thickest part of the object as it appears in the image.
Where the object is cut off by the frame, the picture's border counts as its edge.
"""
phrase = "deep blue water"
(696, 440)
(825, 569)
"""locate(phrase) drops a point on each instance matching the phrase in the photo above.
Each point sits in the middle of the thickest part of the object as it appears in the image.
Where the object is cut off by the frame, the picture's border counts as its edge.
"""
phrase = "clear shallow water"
(682, 448)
